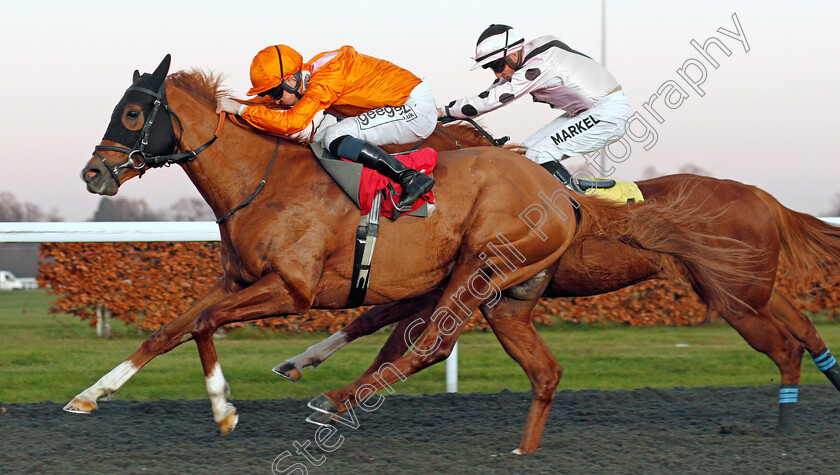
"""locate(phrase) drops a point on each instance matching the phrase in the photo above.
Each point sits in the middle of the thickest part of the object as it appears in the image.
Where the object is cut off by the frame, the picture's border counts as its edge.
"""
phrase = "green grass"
(53, 357)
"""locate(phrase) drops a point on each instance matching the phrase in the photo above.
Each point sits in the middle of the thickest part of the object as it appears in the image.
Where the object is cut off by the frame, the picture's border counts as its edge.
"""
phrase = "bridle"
(137, 157)
(139, 160)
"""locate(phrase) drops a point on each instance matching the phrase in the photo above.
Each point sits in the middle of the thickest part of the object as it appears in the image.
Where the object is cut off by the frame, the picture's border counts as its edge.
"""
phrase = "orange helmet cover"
(267, 71)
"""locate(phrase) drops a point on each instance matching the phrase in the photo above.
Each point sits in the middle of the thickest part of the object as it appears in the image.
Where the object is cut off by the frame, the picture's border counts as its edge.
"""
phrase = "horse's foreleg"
(803, 330)
(164, 339)
(369, 322)
(267, 297)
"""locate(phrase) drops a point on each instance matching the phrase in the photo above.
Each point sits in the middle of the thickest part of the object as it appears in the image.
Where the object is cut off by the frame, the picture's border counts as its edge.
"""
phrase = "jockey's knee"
(333, 133)
(346, 146)
(334, 144)
(541, 156)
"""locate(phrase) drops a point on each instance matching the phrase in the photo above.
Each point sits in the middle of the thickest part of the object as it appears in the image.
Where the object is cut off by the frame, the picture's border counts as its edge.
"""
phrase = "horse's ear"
(136, 76)
(163, 68)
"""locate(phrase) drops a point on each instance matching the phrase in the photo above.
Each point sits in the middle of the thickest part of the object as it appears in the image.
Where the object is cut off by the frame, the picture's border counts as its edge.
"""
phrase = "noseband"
(137, 157)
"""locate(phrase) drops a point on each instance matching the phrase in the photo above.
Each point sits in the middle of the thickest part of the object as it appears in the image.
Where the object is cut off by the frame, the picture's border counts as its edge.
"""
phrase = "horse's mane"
(205, 85)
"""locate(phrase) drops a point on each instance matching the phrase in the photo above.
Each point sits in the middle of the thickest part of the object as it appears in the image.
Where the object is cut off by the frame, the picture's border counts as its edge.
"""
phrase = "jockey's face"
(507, 71)
(286, 99)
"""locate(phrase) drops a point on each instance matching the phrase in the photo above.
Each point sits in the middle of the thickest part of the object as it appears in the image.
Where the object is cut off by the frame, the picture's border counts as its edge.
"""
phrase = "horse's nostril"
(91, 175)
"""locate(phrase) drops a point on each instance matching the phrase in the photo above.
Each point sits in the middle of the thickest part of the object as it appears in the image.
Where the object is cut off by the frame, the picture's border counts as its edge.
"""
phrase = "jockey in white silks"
(595, 109)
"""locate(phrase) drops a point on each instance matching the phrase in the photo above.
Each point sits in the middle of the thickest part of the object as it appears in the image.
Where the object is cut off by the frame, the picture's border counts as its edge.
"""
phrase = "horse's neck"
(228, 171)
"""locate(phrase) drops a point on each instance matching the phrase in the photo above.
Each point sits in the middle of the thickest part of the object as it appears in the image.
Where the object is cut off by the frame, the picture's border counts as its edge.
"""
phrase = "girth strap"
(365, 241)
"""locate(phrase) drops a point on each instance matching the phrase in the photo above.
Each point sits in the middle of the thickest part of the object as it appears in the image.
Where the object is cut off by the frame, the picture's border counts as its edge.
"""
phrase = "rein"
(256, 192)
(493, 141)
(446, 120)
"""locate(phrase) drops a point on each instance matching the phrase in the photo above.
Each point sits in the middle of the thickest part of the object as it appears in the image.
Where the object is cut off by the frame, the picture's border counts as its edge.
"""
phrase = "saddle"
(612, 190)
(362, 185)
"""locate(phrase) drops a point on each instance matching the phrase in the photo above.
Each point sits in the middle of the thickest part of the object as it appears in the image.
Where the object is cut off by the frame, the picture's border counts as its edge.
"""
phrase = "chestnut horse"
(499, 222)
(596, 264)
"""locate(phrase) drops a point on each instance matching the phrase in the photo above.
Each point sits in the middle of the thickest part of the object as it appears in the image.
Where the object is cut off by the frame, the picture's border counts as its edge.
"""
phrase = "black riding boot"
(560, 172)
(414, 184)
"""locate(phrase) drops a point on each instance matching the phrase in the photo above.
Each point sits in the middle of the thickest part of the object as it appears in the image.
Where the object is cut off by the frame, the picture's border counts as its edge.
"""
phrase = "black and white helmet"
(496, 42)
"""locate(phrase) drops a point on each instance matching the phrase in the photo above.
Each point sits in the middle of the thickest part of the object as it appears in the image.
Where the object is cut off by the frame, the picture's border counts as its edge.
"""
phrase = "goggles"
(274, 93)
(497, 66)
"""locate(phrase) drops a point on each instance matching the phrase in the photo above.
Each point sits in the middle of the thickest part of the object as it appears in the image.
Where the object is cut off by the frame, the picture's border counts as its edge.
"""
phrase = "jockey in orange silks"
(401, 108)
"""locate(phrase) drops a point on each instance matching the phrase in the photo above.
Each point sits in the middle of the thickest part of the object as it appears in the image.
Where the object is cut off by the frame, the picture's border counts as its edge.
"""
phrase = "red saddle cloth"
(371, 182)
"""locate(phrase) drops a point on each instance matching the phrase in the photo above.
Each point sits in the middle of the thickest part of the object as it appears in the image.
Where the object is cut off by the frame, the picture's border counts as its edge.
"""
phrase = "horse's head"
(138, 133)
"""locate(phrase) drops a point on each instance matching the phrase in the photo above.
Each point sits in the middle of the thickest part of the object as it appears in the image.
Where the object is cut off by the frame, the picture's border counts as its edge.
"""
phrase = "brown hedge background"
(149, 284)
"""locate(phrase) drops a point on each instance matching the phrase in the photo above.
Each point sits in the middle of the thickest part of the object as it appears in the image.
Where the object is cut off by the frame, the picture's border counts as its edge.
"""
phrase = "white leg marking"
(319, 352)
(218, 390)
(110, 383)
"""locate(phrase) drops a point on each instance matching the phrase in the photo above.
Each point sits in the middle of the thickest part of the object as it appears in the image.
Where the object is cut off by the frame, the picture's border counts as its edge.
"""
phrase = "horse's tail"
(807, 243)
(675, 227)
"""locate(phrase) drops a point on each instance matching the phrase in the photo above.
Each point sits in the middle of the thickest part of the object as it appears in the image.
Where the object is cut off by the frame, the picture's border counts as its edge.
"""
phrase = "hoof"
(288, 371)
(788, 413)
(520, 451)
(227, 424)
(80, 406)
(786, 428)
(323, 404)
(320, 419)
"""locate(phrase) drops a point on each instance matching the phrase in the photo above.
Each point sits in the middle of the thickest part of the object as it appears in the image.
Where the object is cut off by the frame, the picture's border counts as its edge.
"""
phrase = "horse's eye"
(132, 118)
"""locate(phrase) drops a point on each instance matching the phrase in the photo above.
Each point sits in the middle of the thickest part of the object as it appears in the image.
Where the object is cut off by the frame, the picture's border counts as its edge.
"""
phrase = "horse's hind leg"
(369, 322)
(511, 321)
(764, 334)
(164, 339)
(405, 334)
(434, 344)
(802, 328)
